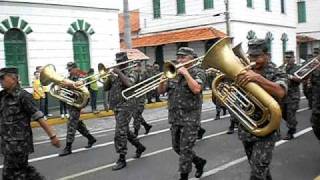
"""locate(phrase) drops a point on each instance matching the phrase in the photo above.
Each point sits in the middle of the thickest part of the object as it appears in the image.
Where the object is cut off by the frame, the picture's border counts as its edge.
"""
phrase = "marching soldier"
(259, 149)
(74, 122)
(17, 108)
(138, 119)
(184, 104)
(122, 110)
(290, 103)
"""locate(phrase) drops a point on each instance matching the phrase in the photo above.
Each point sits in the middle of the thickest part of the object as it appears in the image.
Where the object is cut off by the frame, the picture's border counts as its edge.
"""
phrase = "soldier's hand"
(245, 77)
(183, 70)
(116, 70)
(55, 141)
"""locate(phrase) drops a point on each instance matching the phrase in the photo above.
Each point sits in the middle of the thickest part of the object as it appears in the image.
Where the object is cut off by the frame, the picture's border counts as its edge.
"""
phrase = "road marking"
(131, 159)
(62, 137)
(244, 158)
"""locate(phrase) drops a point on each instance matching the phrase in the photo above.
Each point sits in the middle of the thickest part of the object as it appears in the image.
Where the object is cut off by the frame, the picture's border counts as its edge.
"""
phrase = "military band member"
(315, 120)
(123, 110)
(184, 104)
(17, 109)
(290, 103)
(74, 123)
(272, 80)
(138, 119)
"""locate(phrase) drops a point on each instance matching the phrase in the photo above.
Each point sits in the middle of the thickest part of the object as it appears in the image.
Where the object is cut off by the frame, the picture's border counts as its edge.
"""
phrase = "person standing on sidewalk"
(122, 109)
(17, 110)
(93, 88)
(38, 93)
(138, 119)
(74, 122)
(184, 105)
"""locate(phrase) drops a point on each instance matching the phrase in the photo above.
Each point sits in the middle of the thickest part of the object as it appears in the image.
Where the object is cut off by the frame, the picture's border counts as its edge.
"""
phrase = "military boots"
(67, 150)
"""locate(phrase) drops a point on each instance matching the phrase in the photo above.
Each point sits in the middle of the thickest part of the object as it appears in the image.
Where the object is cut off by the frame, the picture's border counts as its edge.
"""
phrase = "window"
(81, 51)
(302, 12)
(283, 7)
(267, 5)
(284, 39)
(181, 9)
(269, 39)
(156, 9)
(16, 53)
(251, 35)
(249, 3)
(208, 4)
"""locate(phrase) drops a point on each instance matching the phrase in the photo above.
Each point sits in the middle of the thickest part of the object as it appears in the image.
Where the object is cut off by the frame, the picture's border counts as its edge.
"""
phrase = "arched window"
(284, 39)
(81, 52)
(80, 30)
(251, 35)
(15, 30)
(269, 39)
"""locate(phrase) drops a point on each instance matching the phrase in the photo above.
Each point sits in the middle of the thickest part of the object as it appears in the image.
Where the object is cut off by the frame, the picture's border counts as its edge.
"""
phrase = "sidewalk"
(87, 115)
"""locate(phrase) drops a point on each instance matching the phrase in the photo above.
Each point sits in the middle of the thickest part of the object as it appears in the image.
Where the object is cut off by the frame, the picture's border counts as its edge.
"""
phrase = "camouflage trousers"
(75, 124)
(137, 117)
(122, 132)
(15, 167)
(308, 93)
(259, 154)
(289, 114)
(183, 140)
(315, 117)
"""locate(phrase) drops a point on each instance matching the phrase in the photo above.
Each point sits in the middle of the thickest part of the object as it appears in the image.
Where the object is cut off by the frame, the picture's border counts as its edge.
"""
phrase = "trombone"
(308, 67)
(170, 71)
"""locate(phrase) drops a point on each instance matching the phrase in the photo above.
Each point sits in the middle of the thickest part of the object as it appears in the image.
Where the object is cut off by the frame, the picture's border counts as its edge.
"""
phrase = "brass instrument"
(77, 97)
(255, 109)
(169, 71)
(307, 68)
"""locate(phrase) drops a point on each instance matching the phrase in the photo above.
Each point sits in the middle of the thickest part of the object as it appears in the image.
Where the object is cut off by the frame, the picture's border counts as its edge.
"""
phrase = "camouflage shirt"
(315, 82)
(276, 75)
(293, 95)
(17, 109)
(183, 105)
(115, 97)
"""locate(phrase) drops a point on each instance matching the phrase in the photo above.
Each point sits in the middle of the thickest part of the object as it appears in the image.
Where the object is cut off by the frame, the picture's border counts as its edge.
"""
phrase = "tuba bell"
(77, 97)
(255, 109)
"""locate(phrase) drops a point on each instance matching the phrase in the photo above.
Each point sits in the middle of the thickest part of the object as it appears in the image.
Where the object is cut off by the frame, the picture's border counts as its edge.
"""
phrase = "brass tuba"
(77, 97)
(255, 109)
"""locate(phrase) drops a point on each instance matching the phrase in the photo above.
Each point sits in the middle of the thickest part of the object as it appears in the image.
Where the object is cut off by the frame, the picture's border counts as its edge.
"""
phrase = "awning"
(304, 39)
(184, 35)
(135, 54)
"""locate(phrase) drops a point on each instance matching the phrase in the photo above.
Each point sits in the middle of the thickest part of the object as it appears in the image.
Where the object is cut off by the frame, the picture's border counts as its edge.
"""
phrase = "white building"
(39, 32)
(308, 28)
(181, 21)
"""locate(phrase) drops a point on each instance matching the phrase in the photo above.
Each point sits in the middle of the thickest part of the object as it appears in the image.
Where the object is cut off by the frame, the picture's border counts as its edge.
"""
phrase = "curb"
(88, 116)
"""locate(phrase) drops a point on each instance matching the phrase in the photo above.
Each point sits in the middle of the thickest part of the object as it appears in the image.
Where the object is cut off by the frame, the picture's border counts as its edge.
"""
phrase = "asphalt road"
(295, 160)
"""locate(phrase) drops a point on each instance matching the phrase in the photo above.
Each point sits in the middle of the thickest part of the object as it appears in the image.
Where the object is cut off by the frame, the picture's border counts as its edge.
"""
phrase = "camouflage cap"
(257, 47)
(186, 51)
(289, 54)
(121, 56)
(7, 70)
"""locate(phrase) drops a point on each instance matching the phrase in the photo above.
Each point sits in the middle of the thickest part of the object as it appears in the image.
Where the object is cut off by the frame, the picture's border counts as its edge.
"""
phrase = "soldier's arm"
(195, 84)
(124, 79)
(30, 106)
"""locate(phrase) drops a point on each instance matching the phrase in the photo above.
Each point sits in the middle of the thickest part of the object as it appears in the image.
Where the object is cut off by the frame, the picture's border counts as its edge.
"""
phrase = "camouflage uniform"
(315, 120)
(184, 117)
(259, 149)
(123, 112)
(307, 90)
(74, 122)
(16, 110)
(290, 103)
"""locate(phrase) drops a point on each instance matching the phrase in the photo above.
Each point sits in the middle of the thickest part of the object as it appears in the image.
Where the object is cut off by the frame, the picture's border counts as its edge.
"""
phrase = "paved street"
(295, 160)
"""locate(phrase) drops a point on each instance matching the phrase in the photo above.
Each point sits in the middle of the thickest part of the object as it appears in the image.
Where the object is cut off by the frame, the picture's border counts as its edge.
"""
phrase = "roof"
(135, 54)
(304, 39)
(134, 21)
(184, 35)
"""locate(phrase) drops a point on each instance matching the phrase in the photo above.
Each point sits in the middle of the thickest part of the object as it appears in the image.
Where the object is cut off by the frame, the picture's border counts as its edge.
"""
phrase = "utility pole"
(227, 16)
(127, 25)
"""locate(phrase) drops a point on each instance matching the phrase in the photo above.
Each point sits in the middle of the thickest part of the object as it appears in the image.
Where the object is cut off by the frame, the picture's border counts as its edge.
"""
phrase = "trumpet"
(170, 71)
(307, 68)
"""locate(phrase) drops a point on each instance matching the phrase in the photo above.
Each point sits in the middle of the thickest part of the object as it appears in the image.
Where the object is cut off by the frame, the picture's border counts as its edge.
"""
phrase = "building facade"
(39, 32)
(274, 20)
(308, 28)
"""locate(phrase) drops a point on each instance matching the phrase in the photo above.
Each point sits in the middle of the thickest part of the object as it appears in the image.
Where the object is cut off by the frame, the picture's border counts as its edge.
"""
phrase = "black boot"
(121, 163)
(230, 131)
(147, 127)
(184, 176)
(201, 131)
(67, 150)
(91, 141)
(217, 116)
(136, 132)
(140, 150)
(290, 133)
(158, 99)
(199, 163)
(224, 111)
